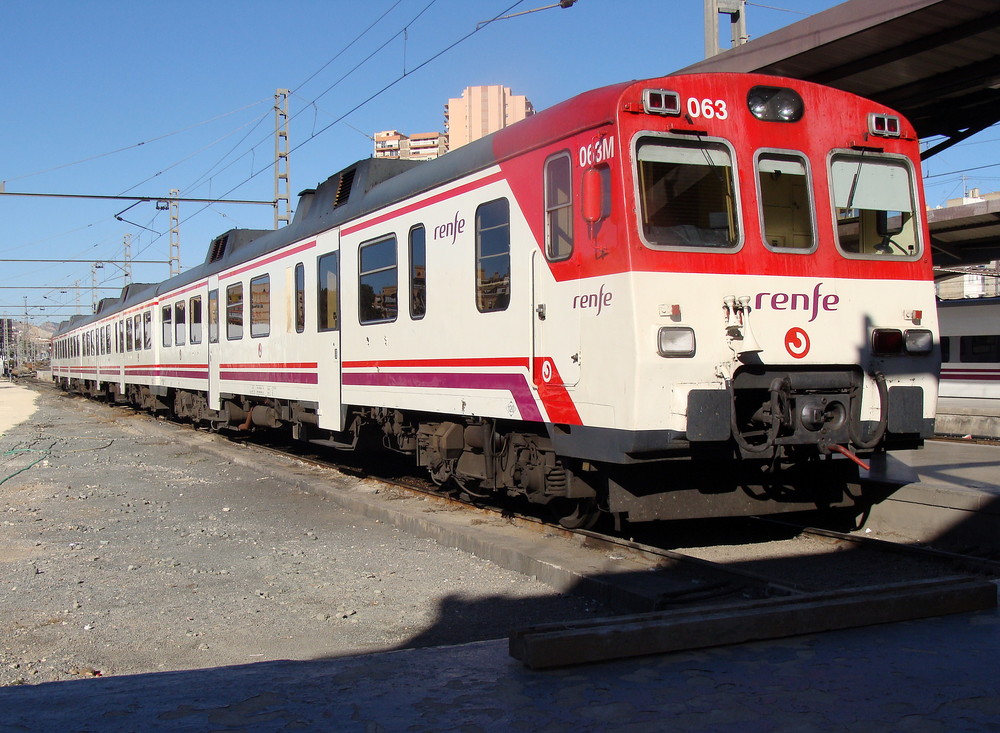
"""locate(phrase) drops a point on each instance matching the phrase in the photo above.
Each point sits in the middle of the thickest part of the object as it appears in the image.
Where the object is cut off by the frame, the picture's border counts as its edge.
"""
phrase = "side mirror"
(890, 223)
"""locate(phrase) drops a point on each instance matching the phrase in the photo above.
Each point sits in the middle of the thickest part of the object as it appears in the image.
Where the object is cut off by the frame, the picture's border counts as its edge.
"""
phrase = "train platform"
(932, 675)
(949, 495)
(968, 417)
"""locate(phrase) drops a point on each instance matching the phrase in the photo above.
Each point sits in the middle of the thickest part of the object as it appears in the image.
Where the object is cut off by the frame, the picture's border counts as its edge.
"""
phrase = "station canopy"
(937, 62)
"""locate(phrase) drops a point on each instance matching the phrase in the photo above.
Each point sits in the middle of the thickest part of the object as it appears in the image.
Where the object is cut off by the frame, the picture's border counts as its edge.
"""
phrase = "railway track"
(768, 579)
(745, 579)
(748, 557)
(719, 559)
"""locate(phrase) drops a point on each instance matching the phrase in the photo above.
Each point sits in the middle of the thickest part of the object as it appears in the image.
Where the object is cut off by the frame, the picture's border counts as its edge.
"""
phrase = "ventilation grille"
(344, 188)
(218, 248)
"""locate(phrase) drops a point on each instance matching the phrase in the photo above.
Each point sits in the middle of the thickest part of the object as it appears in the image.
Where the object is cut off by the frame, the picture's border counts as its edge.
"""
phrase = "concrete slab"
(974, 417)
(954, 502)
(933, 675)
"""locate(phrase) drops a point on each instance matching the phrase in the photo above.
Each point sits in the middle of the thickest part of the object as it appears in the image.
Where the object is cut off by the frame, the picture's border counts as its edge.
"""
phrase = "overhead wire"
(260, 120)
(771, 7)
(359, 105)
(316, 133)
(134, 145)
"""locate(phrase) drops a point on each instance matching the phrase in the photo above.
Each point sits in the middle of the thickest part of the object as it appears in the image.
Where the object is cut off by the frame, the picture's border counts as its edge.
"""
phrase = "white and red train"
(689, 296)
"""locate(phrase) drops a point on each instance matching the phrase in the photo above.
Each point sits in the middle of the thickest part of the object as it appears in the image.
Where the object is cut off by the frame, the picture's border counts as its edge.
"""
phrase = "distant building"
(481, 111)
(477, 113)
(971, 281)
(419, 146)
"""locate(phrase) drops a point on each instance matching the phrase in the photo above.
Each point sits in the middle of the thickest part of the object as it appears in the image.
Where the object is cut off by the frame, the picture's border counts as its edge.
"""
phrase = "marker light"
(675, 341)
(883, 125)
(661, 102)
(918, 341)
(887, 341)
(775, 104)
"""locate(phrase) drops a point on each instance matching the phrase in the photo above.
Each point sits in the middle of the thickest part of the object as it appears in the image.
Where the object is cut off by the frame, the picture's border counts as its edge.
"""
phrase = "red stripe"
(269, 260)
(443, 196)
(189, 288)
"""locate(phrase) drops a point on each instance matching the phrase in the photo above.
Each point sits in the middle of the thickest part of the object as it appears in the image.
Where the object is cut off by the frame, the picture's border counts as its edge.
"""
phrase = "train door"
(556, 331)
(328, 319)
(556, 356)
(214, 351)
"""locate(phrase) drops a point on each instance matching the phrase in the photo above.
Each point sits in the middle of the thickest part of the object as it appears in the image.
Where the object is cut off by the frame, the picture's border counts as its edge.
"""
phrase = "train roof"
(374, 183)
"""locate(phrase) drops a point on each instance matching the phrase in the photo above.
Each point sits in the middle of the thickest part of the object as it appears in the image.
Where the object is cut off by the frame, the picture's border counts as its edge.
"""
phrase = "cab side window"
(559, 207)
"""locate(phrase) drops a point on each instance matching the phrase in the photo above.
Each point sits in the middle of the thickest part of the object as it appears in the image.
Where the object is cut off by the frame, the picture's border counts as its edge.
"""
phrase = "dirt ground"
(130, 545)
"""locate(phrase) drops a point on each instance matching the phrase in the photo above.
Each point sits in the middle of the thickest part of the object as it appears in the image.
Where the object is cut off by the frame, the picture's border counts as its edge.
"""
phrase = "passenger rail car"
(690, 296)
(970, 348)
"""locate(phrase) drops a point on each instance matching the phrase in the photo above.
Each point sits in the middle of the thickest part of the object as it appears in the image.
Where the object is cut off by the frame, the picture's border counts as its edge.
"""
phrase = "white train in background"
(970, 347)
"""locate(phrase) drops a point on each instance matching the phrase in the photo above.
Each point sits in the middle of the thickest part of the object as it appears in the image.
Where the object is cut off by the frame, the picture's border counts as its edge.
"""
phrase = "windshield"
(686, 194)
(785, 202)
(875, 208)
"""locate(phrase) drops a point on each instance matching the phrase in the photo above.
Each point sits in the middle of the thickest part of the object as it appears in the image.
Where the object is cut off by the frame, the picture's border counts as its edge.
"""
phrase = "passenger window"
(260, 306)
(147, 330)
(137, 335)
(107, 339)
(166, 315)
(559, 207)
(418, 272)
(195, 309)
(686, 196)
(300, 298)
(875, 207)
(377, 282)
(213, 316)
(180, 323)
(493, 256)
(979, 349)
(785, 202)
(328, 295)
(234, 312)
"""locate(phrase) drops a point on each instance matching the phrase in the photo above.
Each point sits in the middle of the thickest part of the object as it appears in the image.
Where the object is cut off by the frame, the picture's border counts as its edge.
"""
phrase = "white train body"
(611, 305)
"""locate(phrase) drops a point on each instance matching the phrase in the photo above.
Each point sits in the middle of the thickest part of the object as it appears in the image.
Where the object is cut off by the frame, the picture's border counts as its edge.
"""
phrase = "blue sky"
(137, 98)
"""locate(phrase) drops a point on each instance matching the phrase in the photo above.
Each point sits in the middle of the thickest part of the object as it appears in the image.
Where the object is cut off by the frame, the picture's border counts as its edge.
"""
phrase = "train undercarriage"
(761, 467)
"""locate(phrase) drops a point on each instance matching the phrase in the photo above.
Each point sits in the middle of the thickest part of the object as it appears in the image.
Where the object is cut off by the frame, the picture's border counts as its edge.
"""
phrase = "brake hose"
(854, 427)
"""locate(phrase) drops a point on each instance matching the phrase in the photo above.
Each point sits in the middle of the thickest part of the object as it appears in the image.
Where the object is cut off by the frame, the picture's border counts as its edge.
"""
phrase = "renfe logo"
(593, 300)
(451, 229)
(813, 303)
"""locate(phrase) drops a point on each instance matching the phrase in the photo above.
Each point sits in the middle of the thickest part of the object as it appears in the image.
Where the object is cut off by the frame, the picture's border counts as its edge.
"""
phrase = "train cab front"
(782, 261)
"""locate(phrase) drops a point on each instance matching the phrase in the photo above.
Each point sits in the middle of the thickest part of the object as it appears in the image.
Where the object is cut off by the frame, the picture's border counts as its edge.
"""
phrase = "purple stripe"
(166, 373)
(283, 377)
(516, 384)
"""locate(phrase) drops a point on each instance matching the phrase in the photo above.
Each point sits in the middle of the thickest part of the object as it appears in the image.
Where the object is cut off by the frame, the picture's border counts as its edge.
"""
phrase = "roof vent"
(344, 188)
(218, 249)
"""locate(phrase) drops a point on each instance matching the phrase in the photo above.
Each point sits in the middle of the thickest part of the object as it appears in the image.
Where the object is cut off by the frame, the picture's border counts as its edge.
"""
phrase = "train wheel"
(575, 513)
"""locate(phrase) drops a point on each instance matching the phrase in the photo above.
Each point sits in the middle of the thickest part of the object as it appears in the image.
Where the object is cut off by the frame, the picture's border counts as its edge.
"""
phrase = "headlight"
(775, 104)
(675, 341)
(918, 341)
